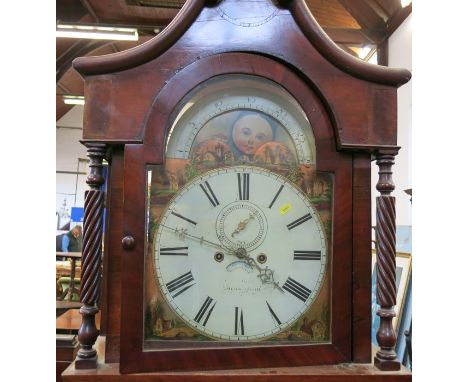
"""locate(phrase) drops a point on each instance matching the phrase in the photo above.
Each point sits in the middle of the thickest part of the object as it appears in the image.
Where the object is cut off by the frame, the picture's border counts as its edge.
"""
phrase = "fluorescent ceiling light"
(96, 32)
(73, 100)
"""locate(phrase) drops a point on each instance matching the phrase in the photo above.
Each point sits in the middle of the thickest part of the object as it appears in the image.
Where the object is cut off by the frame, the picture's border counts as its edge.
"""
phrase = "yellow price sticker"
(284, 209)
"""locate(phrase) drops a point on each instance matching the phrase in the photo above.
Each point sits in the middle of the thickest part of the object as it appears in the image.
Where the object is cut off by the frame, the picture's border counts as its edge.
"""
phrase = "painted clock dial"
(220, 263)
(239, 220)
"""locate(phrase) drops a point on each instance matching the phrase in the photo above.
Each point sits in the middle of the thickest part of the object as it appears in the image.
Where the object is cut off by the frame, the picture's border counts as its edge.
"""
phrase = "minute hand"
(202, 240)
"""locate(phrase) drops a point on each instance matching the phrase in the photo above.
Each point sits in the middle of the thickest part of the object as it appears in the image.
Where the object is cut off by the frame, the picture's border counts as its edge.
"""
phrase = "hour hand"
(266, 276)
(242, 224)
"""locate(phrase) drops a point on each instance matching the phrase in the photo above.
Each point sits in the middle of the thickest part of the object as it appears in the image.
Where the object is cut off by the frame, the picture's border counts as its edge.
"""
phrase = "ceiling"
(352, 24)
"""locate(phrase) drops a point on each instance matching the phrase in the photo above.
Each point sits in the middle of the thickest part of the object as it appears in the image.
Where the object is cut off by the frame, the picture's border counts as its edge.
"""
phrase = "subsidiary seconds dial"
(240, 254)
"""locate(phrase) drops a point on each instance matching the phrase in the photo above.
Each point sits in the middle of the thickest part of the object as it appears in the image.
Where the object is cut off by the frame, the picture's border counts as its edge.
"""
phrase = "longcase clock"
(238, 213)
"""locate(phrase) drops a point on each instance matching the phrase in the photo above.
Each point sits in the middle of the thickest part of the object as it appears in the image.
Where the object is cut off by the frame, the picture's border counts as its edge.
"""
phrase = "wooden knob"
(128, 242)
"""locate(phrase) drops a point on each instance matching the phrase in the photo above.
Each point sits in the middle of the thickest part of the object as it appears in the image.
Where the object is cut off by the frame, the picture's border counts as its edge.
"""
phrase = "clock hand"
(182, 233)
(242, 224)
(265, 274)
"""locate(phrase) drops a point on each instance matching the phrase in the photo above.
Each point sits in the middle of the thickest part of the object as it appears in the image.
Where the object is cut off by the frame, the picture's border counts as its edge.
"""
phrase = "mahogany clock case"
(131, 98)
(137, 157)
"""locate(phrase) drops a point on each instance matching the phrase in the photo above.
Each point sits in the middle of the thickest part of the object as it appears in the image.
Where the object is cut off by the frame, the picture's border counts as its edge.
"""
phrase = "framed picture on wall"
(403, 272)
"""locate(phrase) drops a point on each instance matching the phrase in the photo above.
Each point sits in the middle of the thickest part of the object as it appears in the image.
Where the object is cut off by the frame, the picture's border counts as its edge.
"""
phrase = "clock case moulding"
(130, 97)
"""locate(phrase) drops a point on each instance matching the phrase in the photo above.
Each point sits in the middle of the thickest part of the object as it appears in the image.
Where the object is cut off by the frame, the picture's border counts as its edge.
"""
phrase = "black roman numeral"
(243, 183)
(179, 285)
(299, 221)
(276, 196)
(297, 289)
(174, 251)
(209, 194)
(307, 255)
(273, 314)
(204, 310)
(183, 217)
(239, 323)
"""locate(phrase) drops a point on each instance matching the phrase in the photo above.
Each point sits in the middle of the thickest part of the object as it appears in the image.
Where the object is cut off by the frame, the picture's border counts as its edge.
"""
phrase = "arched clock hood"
(285, 32)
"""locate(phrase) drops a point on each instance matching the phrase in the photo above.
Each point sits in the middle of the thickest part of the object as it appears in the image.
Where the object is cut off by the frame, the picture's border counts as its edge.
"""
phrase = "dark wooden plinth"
(387, 365)
(333, 373)
(86, 363)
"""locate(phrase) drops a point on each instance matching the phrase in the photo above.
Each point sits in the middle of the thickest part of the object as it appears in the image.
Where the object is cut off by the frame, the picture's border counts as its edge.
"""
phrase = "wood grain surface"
(109, 372)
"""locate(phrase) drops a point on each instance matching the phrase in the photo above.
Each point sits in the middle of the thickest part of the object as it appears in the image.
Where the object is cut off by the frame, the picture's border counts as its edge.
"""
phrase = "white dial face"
(240, 253)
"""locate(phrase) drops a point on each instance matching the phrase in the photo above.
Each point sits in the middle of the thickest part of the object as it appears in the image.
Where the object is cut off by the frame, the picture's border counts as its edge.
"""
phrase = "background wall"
(71, 164)
(400, 56)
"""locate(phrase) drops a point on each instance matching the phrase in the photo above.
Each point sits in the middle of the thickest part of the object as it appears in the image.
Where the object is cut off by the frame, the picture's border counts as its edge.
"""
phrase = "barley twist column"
(91, 260)
(386, 358)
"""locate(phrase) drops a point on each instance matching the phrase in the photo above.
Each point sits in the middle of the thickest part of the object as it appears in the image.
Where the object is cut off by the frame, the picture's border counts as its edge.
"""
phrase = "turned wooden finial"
(386, 358)
(91, 260)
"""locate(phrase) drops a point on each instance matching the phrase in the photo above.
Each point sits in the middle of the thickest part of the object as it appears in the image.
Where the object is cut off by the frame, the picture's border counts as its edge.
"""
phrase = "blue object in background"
(405, 324)
(77, 214)
(374, 308)
(404, 238)
(105, 174)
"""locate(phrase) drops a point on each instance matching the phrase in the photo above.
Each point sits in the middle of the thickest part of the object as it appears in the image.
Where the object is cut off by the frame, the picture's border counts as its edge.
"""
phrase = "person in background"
(72, 241)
